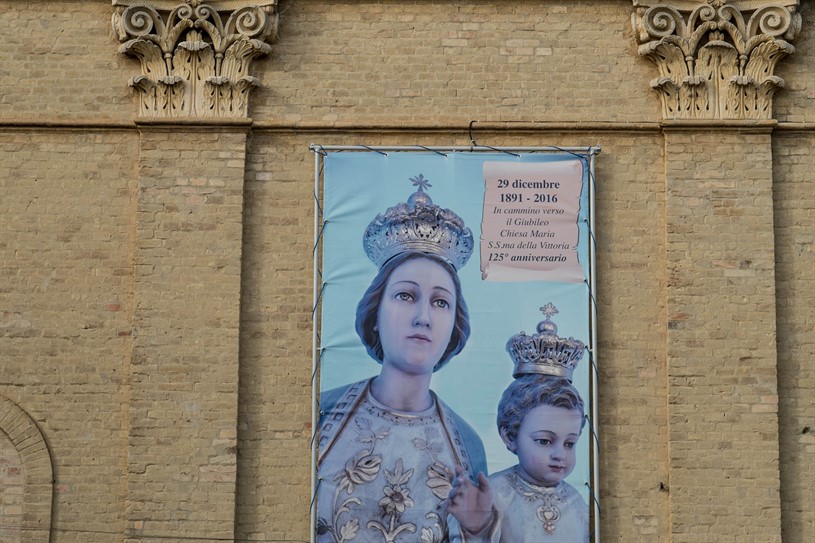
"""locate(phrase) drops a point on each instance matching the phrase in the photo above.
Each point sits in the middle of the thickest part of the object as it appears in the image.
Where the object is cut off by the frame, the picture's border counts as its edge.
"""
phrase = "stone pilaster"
(716, 62)
(193, 89)
(716, 58)
(195, 54)
(182, 450)
(721, 342)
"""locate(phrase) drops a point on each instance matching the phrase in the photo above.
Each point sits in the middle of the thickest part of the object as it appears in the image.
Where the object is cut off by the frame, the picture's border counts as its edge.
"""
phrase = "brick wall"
(11, 491)
(430, 62)
(66, 288)
(62, 62)
(156, 288)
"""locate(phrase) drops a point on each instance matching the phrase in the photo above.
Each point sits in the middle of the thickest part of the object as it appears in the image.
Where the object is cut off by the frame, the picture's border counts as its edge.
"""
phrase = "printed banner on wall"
(453, 372)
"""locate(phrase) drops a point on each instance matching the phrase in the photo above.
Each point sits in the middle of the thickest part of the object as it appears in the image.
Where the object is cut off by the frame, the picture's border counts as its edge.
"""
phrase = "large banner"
(453, 369)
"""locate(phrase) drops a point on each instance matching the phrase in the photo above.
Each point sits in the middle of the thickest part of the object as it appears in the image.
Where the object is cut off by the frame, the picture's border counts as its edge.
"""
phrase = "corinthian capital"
(716, 58)
(195, 54)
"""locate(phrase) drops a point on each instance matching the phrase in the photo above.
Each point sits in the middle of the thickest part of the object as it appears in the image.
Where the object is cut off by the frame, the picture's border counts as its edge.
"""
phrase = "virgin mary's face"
(416, 316)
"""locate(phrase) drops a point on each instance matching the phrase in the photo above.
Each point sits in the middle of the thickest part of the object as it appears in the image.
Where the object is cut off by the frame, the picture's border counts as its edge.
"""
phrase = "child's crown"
(545, 352)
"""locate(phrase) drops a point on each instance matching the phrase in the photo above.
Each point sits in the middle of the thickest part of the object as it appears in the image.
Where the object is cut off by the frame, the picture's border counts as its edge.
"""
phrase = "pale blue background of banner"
(357, 186)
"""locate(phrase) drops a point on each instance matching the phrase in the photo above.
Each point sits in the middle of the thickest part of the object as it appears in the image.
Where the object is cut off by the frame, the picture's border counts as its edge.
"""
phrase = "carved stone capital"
(195, 54)
(716, 58)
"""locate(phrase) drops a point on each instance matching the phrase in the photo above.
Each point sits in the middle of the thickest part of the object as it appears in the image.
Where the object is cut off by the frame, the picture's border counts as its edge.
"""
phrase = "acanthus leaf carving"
(195, 55)
(719, 55)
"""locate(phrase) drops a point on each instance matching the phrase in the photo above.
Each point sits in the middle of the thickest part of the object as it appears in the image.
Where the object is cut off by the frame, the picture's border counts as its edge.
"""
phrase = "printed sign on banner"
(529, 230)
(440, 418)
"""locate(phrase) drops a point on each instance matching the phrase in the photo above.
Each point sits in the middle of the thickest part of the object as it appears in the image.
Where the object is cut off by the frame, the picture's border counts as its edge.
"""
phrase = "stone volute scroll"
(716, 58)
(195, 54)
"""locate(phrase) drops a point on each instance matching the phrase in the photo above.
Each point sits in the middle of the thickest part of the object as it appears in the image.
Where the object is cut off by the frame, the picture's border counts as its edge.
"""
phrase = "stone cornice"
(355, 128)
(716, 58)
(195, 54)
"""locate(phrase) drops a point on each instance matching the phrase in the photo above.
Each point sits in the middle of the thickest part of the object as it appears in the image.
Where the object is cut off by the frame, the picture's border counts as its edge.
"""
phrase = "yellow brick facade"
(156, 274)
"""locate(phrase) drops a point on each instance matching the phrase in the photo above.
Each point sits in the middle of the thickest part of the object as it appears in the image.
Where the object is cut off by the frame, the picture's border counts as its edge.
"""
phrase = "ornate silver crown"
(545, 352)
(418, 225)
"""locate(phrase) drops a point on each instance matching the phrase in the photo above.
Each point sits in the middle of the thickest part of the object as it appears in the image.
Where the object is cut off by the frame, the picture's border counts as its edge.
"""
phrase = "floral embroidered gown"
(527, 513)
(383, 474)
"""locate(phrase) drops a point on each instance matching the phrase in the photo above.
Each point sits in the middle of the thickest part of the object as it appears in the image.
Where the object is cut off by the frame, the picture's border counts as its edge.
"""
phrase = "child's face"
(546, 444)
